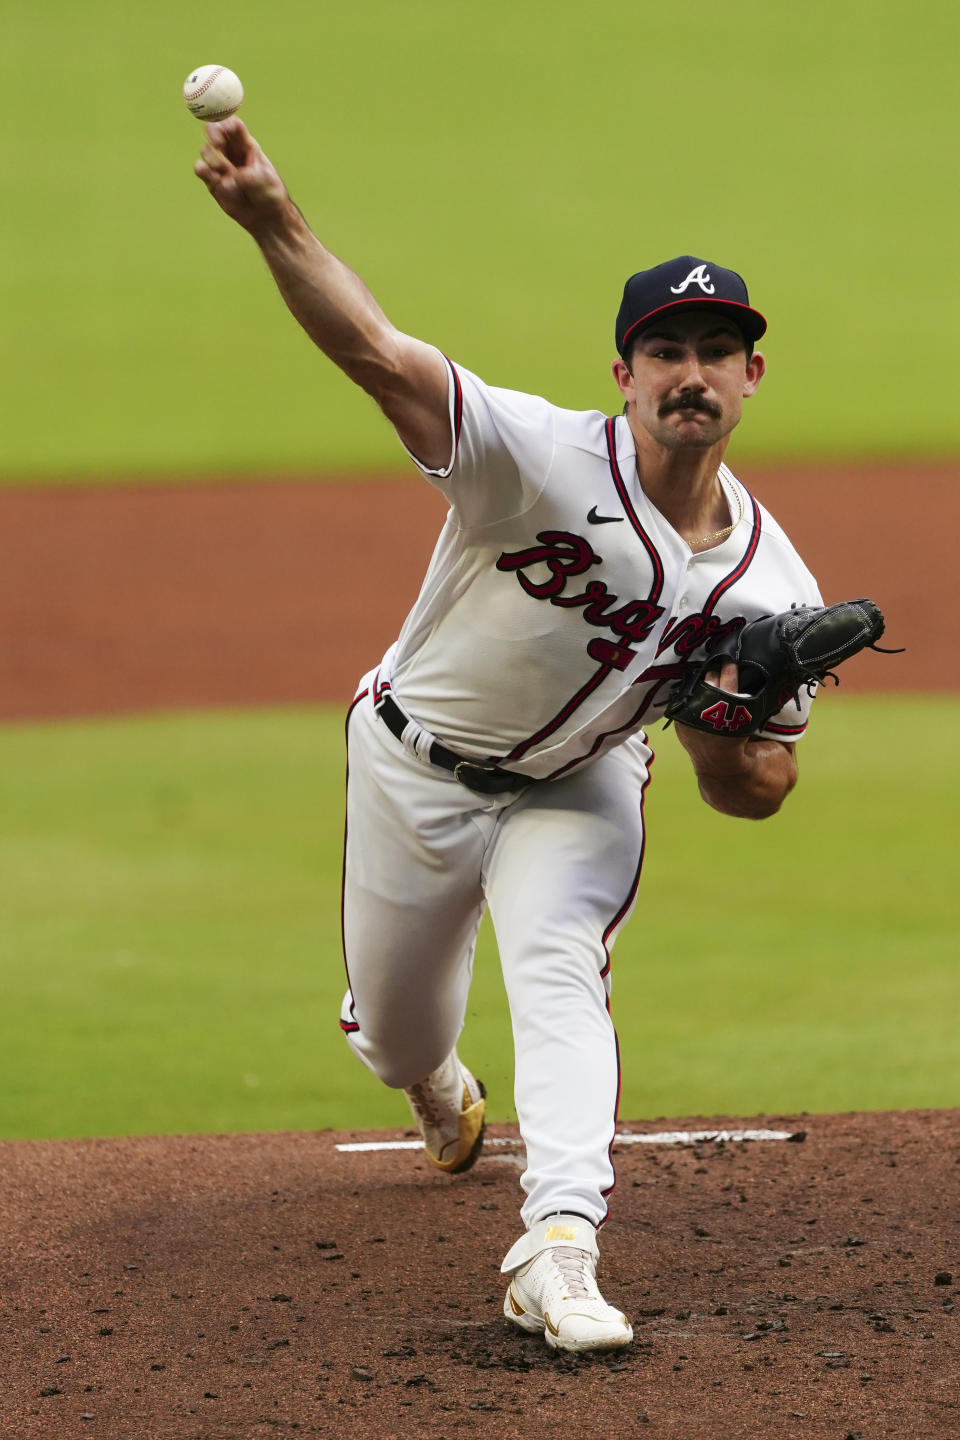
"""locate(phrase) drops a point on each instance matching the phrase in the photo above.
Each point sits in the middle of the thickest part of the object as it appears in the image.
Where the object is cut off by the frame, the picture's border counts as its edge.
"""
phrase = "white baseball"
(212, 92)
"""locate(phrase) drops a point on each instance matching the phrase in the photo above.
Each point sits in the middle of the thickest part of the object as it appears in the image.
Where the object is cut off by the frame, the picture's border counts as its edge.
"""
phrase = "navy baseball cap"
(685, 281)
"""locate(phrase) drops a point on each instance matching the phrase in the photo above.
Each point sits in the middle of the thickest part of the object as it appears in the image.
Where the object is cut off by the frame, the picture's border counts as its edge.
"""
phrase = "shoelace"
(573, 1266)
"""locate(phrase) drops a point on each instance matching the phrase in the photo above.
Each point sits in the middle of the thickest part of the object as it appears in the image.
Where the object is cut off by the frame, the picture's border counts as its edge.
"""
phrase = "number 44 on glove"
(775, 656)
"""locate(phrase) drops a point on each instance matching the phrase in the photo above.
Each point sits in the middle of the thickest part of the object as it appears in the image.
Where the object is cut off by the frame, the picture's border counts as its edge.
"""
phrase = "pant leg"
(561, 877)
(412, 902)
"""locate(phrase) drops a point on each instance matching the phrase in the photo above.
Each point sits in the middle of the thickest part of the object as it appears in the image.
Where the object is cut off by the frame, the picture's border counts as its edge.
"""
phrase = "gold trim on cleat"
(470, 1141)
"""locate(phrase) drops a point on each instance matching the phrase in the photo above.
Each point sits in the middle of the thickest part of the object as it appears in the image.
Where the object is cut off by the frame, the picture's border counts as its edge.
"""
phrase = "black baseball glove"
(775, 656)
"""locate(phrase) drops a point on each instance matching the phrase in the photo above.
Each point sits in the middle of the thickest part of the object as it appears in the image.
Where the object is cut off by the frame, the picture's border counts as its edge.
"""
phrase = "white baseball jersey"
(560, 606)
(557, 612)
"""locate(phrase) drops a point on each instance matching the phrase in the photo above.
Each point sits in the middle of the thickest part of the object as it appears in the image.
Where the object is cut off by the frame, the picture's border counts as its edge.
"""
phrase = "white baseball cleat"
(553, 1287)
(449, 1107)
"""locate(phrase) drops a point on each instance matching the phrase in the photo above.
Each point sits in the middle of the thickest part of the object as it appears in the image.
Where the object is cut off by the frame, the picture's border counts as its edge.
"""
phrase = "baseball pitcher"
(594, 574)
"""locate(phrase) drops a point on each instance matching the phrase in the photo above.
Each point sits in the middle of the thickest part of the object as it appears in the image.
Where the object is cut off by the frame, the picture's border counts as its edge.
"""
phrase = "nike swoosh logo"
(594, 519)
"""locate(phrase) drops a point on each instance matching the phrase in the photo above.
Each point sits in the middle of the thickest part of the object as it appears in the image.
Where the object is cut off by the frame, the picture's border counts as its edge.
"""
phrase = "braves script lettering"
(562, 553)
(689, 634)
(684, 637)
(566, 555)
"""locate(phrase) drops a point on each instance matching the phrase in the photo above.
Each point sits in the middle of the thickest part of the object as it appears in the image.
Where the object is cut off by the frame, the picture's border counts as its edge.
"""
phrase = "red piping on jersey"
(601, 674)
(378, 690)
(616, 1113)
(631, 724)
(631, 513)
(457, 419)
(739, 570)
(717, 593)
(632, 892)
(676, 630)
(661, 673)
(786, 729)
(457, 407)
(572, 704)
(617, 919)
(347, 1028)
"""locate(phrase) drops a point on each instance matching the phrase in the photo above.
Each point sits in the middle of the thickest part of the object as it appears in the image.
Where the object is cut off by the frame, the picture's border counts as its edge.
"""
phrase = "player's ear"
(624, 380)
(756, 369)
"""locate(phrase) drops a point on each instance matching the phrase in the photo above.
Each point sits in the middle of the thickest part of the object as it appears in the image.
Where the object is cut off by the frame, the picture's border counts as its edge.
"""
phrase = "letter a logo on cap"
(699, 277)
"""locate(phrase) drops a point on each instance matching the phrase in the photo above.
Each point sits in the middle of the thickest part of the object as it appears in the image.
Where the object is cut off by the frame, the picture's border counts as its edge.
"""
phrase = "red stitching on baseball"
(195, 94)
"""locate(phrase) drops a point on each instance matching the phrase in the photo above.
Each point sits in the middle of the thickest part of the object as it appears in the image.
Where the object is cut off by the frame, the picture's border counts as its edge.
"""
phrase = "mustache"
(690, 400)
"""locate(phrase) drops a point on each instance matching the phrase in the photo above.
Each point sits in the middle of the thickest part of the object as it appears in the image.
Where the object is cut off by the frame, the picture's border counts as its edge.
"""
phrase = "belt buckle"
(479, 771)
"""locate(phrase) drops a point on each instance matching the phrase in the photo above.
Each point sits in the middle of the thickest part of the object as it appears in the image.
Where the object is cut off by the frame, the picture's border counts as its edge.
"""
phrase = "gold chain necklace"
(727, 529)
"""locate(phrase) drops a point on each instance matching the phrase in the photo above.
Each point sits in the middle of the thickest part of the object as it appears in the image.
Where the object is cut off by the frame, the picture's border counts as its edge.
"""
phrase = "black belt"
(484, 779)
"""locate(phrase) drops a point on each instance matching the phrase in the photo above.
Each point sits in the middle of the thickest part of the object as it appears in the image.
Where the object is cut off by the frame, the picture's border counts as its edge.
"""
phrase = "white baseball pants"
(558, 865)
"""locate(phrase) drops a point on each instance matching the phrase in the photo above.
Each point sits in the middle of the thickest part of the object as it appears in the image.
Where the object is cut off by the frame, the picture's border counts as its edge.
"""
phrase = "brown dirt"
(195, 595)
(251, 1286)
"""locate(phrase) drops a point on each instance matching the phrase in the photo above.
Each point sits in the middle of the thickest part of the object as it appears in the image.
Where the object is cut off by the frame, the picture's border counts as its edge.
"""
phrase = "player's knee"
(394, 1065)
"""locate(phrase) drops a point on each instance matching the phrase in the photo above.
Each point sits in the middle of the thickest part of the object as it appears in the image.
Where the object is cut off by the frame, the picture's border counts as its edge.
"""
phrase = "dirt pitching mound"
(276, 1286)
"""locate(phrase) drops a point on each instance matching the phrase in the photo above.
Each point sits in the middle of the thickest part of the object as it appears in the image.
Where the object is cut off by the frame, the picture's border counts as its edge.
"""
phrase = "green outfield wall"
(494, 172)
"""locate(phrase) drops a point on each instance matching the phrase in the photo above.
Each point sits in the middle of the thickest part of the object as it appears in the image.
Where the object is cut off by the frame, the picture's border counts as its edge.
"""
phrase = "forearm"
(407, 378)
(749, 779)
(332, 303)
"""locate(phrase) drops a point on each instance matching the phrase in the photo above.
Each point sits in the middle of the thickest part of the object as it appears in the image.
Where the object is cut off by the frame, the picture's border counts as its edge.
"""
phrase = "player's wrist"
(715, 756)
(278, 226)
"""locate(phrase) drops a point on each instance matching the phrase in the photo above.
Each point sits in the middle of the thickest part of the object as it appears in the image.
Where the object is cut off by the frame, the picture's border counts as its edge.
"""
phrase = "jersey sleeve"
(502, 447)
(791, 722)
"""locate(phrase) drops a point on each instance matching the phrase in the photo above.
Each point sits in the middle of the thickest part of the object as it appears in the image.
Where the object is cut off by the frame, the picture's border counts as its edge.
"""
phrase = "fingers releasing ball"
(211, 92)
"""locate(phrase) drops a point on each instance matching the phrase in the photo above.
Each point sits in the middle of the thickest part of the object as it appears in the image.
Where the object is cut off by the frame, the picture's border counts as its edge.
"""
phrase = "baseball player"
(497, 752)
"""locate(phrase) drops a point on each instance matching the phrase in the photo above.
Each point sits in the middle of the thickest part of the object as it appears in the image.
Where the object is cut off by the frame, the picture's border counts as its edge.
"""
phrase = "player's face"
(688, 378)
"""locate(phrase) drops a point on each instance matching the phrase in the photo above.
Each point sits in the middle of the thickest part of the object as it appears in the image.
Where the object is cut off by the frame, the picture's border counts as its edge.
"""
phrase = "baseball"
(212, 92)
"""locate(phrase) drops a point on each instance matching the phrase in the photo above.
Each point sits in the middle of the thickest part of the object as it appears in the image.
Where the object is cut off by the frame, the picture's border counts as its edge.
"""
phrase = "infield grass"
(170, 960)
(495, 173)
